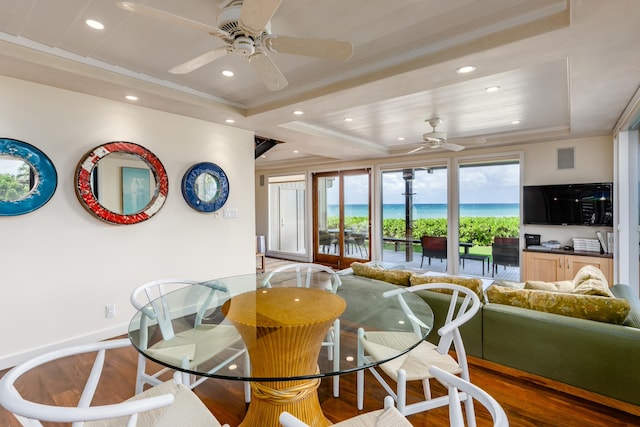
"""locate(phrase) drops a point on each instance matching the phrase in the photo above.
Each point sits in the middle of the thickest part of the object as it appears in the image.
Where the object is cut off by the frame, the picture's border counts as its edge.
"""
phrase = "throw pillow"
(396, 277)
(590, 307)
(560, 286)
(472, 283)
(589, 280)
(624, 291)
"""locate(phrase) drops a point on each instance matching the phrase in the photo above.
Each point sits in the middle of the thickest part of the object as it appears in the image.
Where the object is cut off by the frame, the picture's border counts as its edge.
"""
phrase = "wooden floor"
(529, 401)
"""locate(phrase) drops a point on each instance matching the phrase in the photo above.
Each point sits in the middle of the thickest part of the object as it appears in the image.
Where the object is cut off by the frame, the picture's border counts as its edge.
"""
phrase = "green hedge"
(478, 230)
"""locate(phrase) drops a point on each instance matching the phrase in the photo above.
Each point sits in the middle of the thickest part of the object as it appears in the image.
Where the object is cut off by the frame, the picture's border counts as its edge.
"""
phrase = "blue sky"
(486, 184)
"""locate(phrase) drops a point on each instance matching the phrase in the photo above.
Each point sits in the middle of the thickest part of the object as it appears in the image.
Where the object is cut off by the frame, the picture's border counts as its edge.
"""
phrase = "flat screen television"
(568, 204)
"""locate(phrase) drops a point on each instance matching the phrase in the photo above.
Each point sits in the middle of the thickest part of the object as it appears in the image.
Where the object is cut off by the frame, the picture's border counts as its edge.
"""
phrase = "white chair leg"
(471, 416)
(336, 357)
(247, 372)
(360, 388)
(142, 365)
(360, 372)
(426, 387)
(401, 398)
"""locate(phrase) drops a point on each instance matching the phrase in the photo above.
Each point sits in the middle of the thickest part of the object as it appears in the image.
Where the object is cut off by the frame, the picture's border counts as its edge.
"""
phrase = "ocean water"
(433, 210)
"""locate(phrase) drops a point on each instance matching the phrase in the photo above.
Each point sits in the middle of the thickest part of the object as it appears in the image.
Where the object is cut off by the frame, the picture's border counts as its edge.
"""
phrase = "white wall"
(593, 163)
(60, 266)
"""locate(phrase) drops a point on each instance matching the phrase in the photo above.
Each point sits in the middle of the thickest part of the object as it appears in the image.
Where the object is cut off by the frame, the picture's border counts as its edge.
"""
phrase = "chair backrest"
(434, 246)
(151, 298)
(463, 306)
(506, 250)
(454, 385)
(30, 413)
(306, 275)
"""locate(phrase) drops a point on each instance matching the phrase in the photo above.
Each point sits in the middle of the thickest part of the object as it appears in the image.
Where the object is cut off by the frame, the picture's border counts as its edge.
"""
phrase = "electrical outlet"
(110, 311)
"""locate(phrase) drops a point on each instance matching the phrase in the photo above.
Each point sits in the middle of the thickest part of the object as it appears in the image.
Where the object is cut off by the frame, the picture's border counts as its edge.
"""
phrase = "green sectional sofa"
(600, 357)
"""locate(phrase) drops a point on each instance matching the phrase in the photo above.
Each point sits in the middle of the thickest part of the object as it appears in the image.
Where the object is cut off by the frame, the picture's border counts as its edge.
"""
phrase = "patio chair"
(505, 251)
(168, 404)
(314, 275)
(433, 247)
(414, 365)
(197, 348)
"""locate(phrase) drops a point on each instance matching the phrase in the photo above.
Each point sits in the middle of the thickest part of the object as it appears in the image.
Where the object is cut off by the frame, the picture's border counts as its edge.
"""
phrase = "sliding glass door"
(414, 205)
(341, 219)
(489, 225)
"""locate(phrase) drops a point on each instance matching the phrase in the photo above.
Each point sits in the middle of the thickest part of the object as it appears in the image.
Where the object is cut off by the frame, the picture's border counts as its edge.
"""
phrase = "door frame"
(340, 260)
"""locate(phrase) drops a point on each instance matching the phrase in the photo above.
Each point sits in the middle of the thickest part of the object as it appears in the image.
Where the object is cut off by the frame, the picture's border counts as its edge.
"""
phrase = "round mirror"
(205, 187)
(28, 178)
(121, 183)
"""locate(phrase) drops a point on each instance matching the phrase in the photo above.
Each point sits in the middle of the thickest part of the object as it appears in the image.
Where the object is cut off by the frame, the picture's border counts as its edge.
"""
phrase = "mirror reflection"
(123, 183)
(17, 178)
(207, 187)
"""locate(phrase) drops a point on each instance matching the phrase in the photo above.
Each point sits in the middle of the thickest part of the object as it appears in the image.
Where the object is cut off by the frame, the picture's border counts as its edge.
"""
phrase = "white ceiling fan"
(244, 26)
(435, 139)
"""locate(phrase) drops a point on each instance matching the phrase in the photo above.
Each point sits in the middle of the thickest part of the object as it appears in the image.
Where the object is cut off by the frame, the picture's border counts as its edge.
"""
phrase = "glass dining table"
(280, 327)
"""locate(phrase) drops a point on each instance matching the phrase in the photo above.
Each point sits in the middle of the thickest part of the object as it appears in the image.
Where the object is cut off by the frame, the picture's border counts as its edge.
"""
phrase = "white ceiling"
(565, 68)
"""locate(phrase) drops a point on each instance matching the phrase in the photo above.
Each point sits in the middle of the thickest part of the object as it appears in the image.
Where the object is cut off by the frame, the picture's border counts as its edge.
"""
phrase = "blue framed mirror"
(28, 178)
(205, 187)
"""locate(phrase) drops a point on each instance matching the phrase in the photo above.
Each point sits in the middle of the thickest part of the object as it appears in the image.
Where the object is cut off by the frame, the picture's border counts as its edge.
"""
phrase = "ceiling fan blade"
(415, 150)
(268, 71)
(452, 147)
(317, 48)
(170, 17)
(256, 14)
(199, 61)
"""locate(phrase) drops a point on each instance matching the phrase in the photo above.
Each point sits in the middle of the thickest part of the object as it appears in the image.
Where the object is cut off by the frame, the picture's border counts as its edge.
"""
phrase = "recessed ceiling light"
(298, 112)
(466, 69)
(131, 97)
(516, 122)
(296, 151)
(264, 156)
(401, 139)
(348, 119)
(94, 24)
(227, 73)
(229, 121)
(492, 89)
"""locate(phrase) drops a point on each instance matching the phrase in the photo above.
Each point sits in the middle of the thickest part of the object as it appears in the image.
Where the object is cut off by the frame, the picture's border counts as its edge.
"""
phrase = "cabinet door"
(545, 267)
(576, 262)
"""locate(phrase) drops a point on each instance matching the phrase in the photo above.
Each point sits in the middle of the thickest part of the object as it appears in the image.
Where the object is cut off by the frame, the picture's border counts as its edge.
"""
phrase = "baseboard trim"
(17, 358)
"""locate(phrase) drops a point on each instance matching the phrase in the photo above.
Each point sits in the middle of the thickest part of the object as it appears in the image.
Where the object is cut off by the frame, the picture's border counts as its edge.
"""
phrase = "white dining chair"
(414, 365)
(314, 275)
(455, 385)
(192, 347)
(387, 417)
(166, 405)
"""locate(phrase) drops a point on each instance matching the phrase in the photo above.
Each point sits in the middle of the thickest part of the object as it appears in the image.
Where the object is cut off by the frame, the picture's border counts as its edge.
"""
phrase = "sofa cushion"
(396, 277)
(624, 291)
(589, 280)
(560, 286)
(590, 307)
(472, 283)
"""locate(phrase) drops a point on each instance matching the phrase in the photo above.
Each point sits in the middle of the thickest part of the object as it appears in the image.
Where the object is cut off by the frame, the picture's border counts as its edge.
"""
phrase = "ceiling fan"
(435, 139)
(245, 28)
